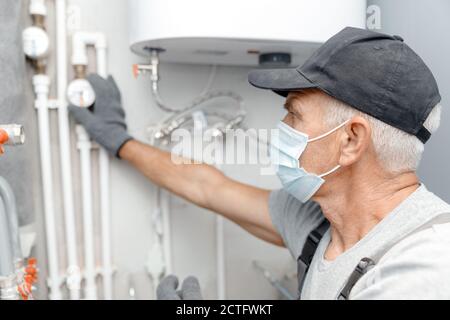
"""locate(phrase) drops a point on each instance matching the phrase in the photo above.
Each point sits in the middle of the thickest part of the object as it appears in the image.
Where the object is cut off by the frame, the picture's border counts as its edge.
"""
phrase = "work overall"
(413, 226)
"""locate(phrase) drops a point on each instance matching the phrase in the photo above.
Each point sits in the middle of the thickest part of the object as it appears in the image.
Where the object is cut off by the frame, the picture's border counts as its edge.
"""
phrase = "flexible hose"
(6, 254)
(197, 101)
(7, 194)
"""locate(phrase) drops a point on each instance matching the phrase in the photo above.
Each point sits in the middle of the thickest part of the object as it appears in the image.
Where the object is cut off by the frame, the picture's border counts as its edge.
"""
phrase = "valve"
(12, 134)
(141, 69)
(30, 276)
(151, 68)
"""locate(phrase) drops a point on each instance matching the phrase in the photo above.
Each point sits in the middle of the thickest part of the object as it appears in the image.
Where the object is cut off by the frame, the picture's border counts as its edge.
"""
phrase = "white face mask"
(286, 150)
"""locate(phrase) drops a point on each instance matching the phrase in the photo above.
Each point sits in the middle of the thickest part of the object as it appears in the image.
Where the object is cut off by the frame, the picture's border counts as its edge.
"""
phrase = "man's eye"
(298, 116)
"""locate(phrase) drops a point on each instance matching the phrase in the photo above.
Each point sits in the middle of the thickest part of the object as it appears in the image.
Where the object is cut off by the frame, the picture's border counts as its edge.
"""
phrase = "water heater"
(238, 32)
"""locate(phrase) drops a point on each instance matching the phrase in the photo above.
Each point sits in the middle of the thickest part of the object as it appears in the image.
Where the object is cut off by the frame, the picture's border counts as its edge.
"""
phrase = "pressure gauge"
(80, 93)
(35, 42)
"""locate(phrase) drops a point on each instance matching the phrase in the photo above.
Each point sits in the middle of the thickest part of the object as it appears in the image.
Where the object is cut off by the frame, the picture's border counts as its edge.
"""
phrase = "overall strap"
(365, 264)
(308, 251)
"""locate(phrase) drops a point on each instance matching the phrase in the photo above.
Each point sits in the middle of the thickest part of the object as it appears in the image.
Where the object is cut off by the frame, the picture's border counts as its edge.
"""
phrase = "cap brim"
(281, 81)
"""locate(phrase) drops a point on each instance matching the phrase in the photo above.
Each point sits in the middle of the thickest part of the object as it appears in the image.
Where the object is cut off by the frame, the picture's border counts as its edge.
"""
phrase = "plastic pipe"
(167, 234)
(159, 259)
(73, 270)
(105, 224)
(41, 87)
(6, 254)
(220, 251)
(104, 189)
(37, 7)
(220, 245)
(8, 288)
(9, 200)
(84, 146)
(80, 42)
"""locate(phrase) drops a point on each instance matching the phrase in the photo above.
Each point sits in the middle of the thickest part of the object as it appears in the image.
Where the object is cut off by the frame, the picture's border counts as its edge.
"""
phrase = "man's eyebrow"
(287, 105)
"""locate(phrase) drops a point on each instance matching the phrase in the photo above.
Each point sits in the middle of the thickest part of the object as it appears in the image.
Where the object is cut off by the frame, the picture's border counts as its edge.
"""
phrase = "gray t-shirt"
(412, 244)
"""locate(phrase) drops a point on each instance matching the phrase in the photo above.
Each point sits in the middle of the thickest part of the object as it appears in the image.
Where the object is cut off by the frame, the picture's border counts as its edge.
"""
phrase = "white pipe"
(6, 252)
(167, 235)
(159, 260)
(84, 146)
(105, 224)
(73, 270)
(9, 200)
(41, 87)
(80, 42)
(37, 7)
(220, 244)
(220, 249)
(100, 47)
(156, 265)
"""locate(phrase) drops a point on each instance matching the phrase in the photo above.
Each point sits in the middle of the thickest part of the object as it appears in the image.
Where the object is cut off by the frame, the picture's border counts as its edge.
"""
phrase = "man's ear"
(355, 140)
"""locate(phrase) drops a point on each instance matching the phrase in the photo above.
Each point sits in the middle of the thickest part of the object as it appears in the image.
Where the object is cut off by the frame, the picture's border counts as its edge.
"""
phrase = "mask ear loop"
(329, 132)
(324, 135)
(330, 172)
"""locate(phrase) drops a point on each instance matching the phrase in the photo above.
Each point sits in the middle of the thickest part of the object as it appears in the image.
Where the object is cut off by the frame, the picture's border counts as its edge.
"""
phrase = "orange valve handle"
(4, 137)
(32, 261)
(135, 70)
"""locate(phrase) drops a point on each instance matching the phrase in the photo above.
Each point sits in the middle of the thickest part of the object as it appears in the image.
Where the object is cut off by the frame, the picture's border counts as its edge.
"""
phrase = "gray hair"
(397, 151)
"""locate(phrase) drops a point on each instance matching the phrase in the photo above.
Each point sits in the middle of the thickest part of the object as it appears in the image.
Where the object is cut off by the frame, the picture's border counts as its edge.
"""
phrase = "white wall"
(193, 228)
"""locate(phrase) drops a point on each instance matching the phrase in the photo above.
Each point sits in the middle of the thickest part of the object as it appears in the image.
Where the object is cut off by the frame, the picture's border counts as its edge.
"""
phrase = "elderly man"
(352, 210)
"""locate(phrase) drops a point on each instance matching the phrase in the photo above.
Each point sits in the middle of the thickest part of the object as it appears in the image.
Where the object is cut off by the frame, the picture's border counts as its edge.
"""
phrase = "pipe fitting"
(80, 71)
(41, 83)
(38, 21)
(81, 40)
(35, 38)
(38, 8)
(83, 138)
(152, 68)
(8, 288)
(73, 279)
(15, 132)
(154, 61)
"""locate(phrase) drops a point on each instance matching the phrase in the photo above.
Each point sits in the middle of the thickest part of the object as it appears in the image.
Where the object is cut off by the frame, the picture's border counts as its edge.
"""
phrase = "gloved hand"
(167, 289)
(106, 123)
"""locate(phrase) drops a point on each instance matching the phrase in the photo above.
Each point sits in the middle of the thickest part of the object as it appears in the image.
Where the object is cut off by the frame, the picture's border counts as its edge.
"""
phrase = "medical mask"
(286, 150)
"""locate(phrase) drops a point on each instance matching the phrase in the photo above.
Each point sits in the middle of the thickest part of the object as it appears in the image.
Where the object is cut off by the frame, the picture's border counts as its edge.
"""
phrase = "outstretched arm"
(206, 187)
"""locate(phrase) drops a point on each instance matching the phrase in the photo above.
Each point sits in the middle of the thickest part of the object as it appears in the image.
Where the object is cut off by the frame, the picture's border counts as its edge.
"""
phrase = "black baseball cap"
(375, 73)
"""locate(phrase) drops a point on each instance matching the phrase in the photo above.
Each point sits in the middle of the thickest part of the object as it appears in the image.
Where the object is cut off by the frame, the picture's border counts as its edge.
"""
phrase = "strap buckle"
(364, 265)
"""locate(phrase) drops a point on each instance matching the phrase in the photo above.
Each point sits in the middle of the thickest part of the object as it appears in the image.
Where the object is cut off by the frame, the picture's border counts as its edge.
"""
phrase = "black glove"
(106, 123)
(167, 289)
